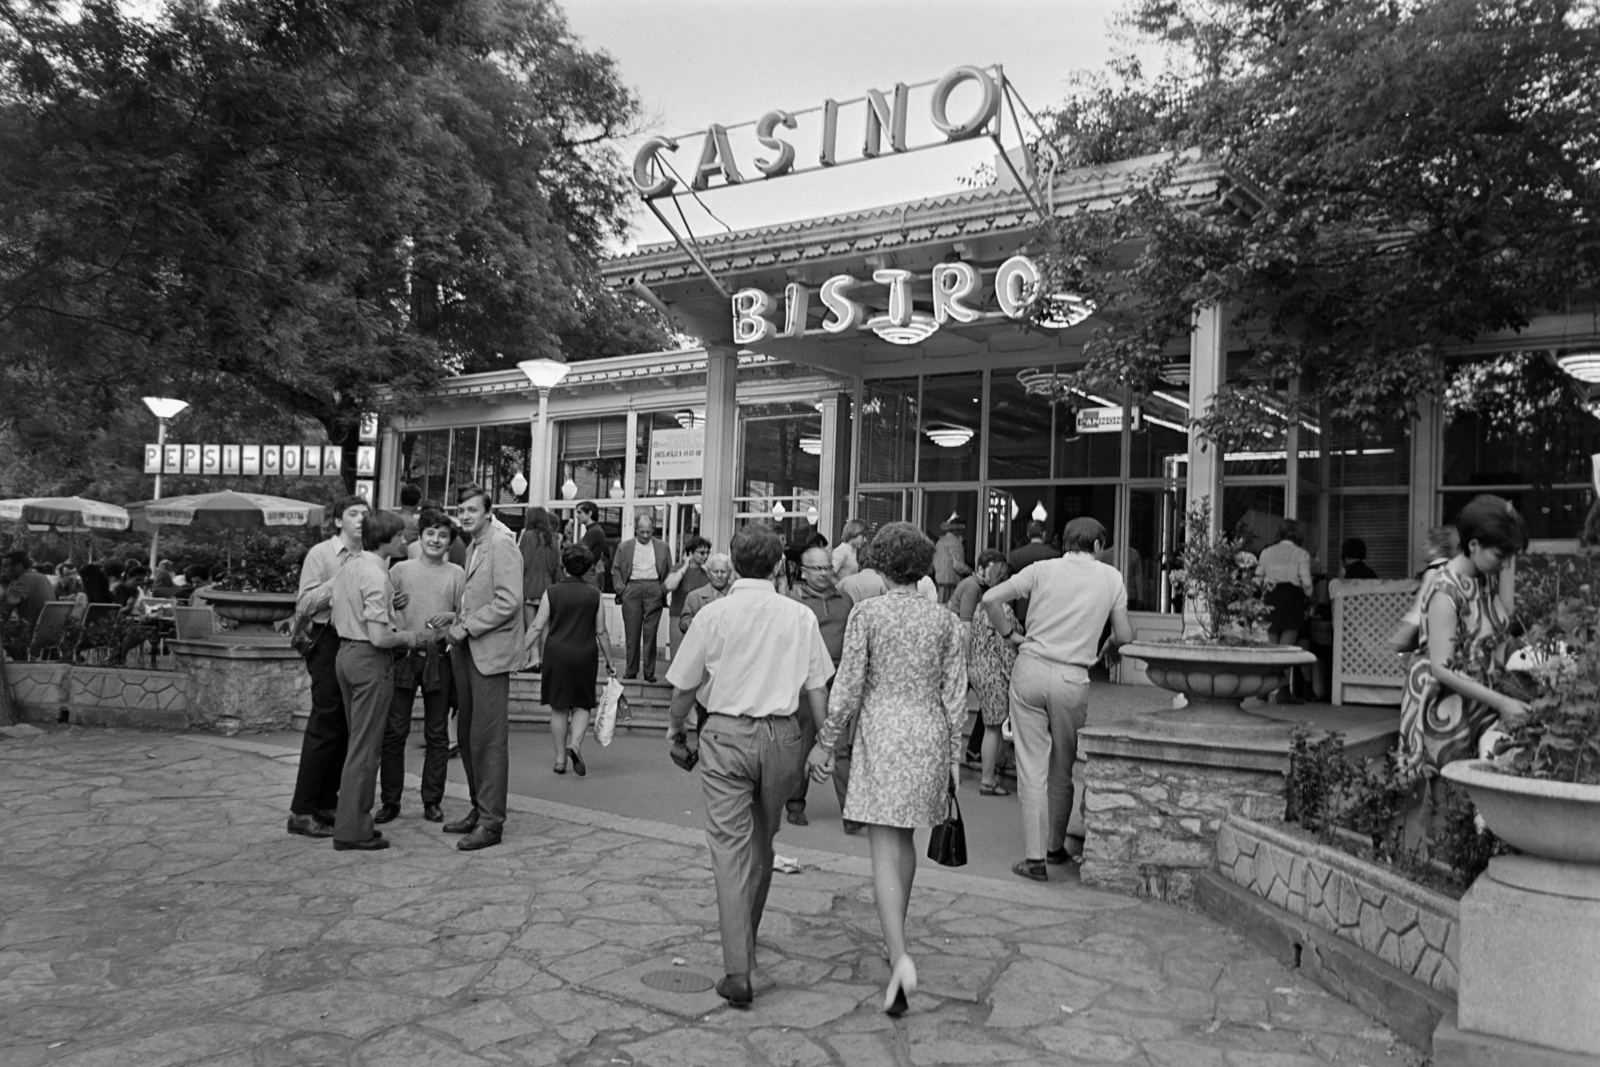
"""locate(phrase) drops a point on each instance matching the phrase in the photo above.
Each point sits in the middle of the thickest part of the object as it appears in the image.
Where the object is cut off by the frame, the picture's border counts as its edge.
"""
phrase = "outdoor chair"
(194, 624)
(49, 631)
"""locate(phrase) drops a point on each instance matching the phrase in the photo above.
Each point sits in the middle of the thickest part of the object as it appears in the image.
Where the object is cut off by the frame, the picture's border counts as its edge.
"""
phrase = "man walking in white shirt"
(750, 658)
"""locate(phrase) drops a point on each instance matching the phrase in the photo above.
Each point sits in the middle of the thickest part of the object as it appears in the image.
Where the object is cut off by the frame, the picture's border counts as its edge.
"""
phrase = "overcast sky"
(696, 62)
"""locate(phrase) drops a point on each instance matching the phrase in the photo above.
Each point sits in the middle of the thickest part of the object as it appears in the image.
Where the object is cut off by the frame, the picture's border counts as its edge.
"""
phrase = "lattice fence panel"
(1365, 615)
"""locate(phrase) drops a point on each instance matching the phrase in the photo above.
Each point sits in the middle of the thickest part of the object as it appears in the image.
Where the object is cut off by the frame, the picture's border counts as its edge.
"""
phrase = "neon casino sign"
(886, 115)
(957, 297)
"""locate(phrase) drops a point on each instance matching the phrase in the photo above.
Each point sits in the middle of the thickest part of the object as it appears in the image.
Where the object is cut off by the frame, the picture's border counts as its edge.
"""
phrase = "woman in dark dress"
(572, 620)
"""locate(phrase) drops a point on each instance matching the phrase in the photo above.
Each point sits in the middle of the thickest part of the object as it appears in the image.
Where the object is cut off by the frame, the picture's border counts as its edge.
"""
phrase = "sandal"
(996, 790)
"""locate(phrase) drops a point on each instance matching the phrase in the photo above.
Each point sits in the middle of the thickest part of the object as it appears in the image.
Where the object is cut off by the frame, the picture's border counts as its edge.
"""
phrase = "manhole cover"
(677, 981)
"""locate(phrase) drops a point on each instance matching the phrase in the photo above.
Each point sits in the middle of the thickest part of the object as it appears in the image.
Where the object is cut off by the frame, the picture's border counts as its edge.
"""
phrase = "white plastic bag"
(605, 717)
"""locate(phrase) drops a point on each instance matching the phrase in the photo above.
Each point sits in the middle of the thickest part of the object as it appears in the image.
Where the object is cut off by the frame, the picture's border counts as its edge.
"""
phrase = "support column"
(539, 489)
(1208, 368)
(827, 479)
(722, 422)
(1427, 436)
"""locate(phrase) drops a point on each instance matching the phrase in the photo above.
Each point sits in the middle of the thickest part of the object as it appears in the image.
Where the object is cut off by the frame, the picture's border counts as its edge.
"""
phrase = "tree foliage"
(1429, 172)
(274, 208)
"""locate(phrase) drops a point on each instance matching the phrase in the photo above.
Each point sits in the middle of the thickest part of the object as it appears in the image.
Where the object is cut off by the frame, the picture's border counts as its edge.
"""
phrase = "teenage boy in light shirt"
(431, 586)
(751, 658)
(362, 611)
(323, 745)
(1070, 600)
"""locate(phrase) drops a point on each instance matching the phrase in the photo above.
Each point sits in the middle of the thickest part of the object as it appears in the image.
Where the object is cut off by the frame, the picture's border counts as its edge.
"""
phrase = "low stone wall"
(102, 696)
(1151, 825)
(1412, 929)
(239, 686)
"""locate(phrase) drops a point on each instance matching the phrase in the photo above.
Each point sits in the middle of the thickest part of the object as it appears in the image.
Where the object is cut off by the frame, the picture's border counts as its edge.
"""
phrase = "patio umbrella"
(64, 513)
(226, 510)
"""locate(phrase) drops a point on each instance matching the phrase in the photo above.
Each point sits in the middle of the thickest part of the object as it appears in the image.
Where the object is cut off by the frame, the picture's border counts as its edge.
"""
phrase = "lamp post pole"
(544, 375)
(163, 408)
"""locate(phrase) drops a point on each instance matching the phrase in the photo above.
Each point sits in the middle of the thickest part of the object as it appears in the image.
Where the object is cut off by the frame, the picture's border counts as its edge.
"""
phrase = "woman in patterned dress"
(1450, 697)
(903, 679)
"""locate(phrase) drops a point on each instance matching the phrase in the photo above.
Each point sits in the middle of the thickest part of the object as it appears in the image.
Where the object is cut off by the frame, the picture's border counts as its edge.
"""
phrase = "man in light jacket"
(487, 643)
(637, 572)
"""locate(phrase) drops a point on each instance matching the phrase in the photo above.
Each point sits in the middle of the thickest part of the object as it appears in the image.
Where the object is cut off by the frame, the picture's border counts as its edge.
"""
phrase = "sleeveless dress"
(571, 656)
(1437, 725)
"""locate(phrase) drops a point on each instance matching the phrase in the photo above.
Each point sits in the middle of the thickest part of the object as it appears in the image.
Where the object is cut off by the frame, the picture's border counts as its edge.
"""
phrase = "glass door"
(1149, 556)
(950, 517)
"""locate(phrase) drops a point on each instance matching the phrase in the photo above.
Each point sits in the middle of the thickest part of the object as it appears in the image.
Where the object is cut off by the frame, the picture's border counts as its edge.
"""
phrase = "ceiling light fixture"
(948, 434)
(1584, 366)
(1065, 310)
(921, 327)
(811, 446)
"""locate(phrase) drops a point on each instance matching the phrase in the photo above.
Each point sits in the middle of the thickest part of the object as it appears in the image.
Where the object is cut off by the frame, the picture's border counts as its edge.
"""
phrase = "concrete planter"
(255, 613)
(1554, 820)
(1216, 678)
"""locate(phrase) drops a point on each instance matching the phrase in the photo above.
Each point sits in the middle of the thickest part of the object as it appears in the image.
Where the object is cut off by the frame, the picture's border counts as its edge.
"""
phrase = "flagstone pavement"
(154, 912)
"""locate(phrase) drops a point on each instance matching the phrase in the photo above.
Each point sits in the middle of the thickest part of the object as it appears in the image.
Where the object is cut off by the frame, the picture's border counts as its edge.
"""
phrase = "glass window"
(1159, 448)
(463, 461)
(425, 462)
(1155, 521)
(1089, 454)
(591, 453)
(673, 423)
(1020, 428)
(875, 509)
(1377, 456)
(1011, 509)
(889, 430)
(1380, 520)
(503, 453)
(1546, 513)
(951, 420)
(781, 450)
(1516, 420)
(1253, 512)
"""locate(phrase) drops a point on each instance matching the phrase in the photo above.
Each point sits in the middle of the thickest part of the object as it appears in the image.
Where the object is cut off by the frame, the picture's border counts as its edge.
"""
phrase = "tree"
(288, 206)
(1428, 172)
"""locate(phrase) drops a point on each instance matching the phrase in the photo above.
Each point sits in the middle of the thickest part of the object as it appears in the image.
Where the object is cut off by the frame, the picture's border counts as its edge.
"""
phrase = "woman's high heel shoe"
(902, 980)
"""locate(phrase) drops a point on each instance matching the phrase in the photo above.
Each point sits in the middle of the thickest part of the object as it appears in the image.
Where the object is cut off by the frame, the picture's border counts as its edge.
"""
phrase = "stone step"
(647, 710)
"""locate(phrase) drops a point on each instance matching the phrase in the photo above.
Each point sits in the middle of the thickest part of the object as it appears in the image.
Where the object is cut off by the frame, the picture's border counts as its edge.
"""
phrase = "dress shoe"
(463, 826)
(797, 816)
(577, 762)
(480, 837)
(371, 844)
(308, 826)
(735, 989)
(650, 678)
(630, 677)
(326, 816)
(1034, 869)
(433, 813)
(902, 980)
(1062, 855)
(387, 813)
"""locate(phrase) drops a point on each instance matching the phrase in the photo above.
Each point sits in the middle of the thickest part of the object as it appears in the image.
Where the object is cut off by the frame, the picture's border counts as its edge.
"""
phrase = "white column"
(722, 423)
(1208, 367)
(1427, 439)
(828, 479)
(539, 489)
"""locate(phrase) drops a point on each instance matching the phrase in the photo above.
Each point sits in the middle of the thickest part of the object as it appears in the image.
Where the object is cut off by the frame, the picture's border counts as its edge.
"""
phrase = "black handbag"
(947, 844)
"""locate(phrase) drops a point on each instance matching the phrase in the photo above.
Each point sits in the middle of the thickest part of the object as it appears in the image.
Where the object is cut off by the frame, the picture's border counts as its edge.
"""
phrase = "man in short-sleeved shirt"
(1071, 599)
(750, 658)
(28, 591)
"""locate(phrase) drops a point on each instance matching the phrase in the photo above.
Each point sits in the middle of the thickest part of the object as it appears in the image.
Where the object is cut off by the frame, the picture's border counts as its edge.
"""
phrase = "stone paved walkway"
(153, 912)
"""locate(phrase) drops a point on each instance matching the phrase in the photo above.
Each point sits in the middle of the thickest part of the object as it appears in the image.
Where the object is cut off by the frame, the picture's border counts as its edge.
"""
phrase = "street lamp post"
(544, 375)
(163, 408)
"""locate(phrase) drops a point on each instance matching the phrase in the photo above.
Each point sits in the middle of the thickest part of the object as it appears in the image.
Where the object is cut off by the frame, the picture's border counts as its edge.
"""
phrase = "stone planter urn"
(1530, 924)
(255, 613)
(1216, 678)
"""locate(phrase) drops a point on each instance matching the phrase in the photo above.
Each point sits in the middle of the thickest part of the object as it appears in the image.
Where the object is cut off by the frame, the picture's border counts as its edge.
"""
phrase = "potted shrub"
(1228, 658)
(1540, 793)
(258, 590)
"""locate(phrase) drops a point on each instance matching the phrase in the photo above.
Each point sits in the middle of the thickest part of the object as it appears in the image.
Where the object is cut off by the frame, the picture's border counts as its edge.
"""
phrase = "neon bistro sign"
(957, 297)
(886, 113)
